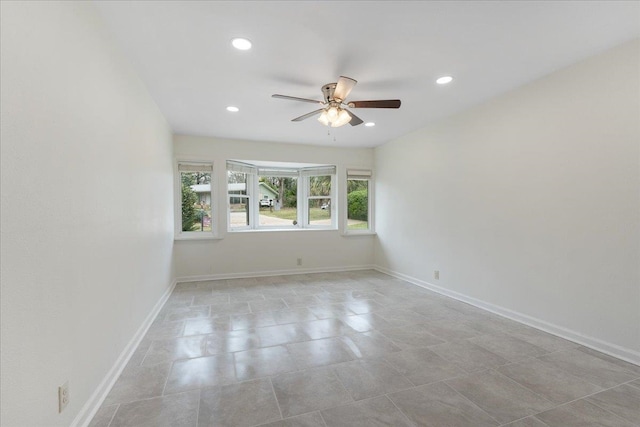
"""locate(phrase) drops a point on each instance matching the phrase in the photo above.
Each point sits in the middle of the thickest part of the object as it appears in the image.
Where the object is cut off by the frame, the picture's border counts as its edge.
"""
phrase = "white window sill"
(186, 238)
(271, 230)
(359, 233)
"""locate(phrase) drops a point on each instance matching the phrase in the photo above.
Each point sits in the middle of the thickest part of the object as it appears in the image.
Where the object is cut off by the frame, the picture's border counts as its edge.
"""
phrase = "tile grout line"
(198, 410)
(275, 396)
(113, 415)
(469, 400)
(399, 410)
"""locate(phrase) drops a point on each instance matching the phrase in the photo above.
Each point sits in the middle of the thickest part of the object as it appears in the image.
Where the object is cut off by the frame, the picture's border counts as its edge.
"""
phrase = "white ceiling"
(394, 49)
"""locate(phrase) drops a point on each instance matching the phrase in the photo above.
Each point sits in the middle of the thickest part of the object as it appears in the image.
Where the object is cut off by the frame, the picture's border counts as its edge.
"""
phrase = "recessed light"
(370, 124)
(241, 44)
(444, 80)
(233, 109)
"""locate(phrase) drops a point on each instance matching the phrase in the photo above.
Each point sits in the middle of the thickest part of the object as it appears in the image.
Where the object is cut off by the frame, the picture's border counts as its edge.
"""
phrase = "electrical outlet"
(299, 261)
(63, 396)
(436, 274)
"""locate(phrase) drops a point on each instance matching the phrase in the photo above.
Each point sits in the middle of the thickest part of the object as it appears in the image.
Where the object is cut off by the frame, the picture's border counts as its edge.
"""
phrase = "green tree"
(189, 211)
(320, 185)
(358, 203)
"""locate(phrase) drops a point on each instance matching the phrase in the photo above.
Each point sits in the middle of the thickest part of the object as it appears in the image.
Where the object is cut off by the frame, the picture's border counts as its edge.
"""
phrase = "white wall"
(530, 202)
(268, 252)
(80, 273)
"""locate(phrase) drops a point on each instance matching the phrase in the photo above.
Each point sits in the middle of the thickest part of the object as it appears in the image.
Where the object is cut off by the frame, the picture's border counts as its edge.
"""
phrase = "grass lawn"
(291, 213)
(360, 225)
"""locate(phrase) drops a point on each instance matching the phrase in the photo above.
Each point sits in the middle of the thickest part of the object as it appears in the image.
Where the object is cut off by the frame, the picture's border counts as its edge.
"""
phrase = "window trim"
(302, 175)
(362, 174)
(194, 235)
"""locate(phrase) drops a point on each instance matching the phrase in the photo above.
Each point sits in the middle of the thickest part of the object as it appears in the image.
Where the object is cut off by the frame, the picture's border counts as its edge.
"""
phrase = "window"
(280, 196)
(239, 199)
(196, 214)
(358, 201)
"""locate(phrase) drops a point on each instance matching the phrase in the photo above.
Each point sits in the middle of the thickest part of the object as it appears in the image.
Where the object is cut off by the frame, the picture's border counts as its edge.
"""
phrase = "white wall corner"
(92, 405)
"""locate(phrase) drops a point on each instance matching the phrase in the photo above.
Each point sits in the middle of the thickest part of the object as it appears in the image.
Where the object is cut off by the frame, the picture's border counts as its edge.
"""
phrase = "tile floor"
(357, 349)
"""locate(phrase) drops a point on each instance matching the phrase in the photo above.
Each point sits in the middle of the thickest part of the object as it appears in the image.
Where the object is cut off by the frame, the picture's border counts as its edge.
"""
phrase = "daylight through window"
(196, 213)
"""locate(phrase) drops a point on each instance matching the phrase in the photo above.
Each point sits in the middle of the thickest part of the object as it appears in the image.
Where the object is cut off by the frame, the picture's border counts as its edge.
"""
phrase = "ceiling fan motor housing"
(327, 91)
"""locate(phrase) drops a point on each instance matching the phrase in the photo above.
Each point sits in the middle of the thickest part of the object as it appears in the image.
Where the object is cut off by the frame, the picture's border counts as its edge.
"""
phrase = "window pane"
(238, 199)
(277, 201)
(320, 211)
(320, 185)
(238, 211)
(196, 201)
(357, 204)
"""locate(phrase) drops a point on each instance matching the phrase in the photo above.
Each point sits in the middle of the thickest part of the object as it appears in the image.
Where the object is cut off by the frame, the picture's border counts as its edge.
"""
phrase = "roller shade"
(291, 173)
(241, 167)
(358, 174)
(318, 171)
(195, 167)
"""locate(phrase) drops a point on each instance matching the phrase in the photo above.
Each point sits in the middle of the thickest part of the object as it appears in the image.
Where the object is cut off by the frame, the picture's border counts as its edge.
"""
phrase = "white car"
(265, 202)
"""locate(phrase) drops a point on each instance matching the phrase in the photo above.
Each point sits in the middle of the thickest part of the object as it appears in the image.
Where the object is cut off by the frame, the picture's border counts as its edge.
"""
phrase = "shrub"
(358, 203)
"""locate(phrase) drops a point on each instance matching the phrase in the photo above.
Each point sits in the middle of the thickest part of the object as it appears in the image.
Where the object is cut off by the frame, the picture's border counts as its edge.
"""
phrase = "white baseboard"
(92, 405)
(289, 272)
(611, 349)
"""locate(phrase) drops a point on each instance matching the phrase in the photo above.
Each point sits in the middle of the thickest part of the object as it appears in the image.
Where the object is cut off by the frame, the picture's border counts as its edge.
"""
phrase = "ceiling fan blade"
(294, 98)
(344, 86)
(387, 103)
(306, 116)
(355, 120)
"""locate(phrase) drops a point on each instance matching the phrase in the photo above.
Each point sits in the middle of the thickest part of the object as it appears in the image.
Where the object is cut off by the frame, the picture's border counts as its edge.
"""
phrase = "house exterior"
(265, 192)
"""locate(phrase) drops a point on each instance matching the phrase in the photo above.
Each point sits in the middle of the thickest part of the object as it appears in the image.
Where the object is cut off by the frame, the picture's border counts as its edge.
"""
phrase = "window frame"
(359, 174)
(194, 235)
(303, 175)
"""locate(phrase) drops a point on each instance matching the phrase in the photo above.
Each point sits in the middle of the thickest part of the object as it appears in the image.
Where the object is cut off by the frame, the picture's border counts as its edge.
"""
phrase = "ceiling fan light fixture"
(332, 114)
(241, 43)
(343, 119)
(444, 80)
(323, 118)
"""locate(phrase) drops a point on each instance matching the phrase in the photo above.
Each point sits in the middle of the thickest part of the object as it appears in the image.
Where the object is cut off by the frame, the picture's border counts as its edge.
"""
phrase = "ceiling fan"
(334, 110)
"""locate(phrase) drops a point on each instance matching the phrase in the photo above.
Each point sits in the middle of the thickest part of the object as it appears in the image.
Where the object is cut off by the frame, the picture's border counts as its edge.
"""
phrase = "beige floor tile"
(590, 368)
(175, 348)
(268, 305)
(328, 351)
(364, 379)
(281, 334)
(138, 382)
(422, 366)
(201, 372)
(312, 419)
(508, 346)
(375, 412)
(527, 422)
(548, 381)
(263, 362)
(369, 345)
(623, 401)
(581, 414)
(103, 417)
(326, 328)
(307, 391)
(238, 405)
(502, 398)
(167, 411)
(411, 337)
(468, 356)
(438, 405)
(206, 326)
